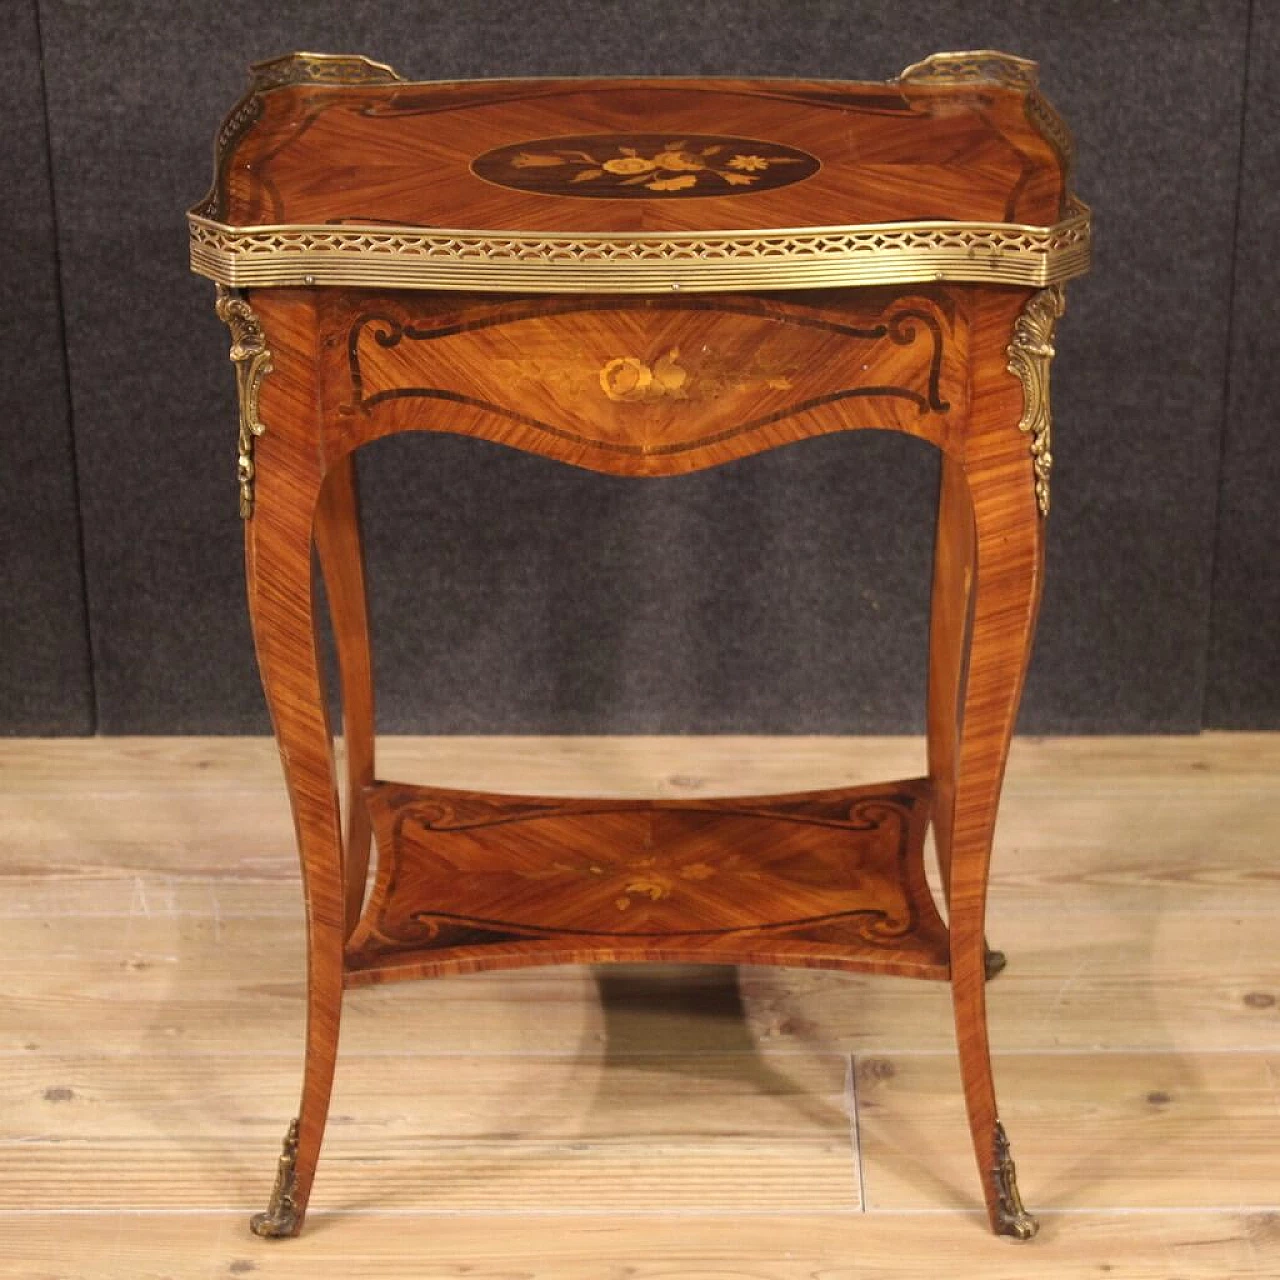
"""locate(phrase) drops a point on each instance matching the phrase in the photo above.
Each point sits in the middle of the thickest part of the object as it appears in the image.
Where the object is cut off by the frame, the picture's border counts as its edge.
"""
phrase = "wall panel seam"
(90, 663)
(1227, 388)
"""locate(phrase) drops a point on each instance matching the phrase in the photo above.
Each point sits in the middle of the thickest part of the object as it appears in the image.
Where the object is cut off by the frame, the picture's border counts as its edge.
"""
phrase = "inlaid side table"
(642, 277)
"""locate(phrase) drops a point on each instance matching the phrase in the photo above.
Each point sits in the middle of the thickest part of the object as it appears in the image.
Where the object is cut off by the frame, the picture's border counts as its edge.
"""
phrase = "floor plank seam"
(1083, 1211)
(752, 1211)
(610, 1055)
(855, 1128)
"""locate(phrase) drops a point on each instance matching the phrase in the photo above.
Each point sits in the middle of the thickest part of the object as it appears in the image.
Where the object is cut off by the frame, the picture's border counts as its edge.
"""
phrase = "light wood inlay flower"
(629, 165)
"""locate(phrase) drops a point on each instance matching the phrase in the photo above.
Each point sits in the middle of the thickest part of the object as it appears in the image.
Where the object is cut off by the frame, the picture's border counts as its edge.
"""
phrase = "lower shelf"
(823, 879)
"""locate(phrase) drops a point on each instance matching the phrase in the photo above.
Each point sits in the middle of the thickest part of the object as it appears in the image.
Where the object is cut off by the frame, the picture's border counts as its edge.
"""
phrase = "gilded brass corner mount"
(320, 68)
(972, 66)
(1004, 71)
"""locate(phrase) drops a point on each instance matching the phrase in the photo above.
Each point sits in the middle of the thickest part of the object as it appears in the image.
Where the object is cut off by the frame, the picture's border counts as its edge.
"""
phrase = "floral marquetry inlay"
(834, 869)
(621, 166)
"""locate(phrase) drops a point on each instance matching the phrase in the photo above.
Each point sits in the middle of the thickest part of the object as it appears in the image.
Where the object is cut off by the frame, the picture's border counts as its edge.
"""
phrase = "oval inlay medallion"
(615, 166)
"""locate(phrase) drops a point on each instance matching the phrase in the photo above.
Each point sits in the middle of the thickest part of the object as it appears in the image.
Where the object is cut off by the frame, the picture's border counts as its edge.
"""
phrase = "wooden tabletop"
(338, 142)
(641, 155)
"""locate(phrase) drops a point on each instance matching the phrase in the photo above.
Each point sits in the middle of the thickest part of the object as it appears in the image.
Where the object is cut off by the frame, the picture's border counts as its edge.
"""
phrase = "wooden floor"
(677, 1123)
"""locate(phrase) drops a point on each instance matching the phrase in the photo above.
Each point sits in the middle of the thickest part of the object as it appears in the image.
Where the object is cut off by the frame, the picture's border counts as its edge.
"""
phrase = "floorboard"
(681, 1122)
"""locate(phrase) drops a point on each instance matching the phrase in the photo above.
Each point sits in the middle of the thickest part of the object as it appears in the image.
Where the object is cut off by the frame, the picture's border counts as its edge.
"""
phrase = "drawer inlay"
(542, 368)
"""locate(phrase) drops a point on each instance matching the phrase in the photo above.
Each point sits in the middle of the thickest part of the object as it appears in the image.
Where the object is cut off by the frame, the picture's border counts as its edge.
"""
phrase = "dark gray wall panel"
(1244, 658)
(785, 592)
(44, 664)
(1138, 384)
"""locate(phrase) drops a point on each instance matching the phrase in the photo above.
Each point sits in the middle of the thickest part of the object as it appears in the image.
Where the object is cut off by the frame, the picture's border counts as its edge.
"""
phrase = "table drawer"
(646, 385)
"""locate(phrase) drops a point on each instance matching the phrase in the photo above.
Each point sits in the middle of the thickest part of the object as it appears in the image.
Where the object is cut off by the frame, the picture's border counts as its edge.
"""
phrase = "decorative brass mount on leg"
(253, 362)
(282, 1217)
(1030, 354)
(1012, 1219)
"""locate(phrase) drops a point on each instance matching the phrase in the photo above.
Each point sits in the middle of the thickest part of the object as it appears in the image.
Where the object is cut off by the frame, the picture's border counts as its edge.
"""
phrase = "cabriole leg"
(341, 550)
(952, 594)
(1004, 474)
(1003, 618)
(280, 592)
(279, 492)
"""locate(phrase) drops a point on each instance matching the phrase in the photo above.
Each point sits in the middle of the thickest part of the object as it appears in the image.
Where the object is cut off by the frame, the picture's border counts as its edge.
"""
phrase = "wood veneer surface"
(472, 880)
(659, 155)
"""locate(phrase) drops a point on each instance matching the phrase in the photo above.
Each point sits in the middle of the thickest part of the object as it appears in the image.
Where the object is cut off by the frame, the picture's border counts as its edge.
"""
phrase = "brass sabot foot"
(283, 1218)
(1011, 1218)
(995, 963)
(1021, 1226)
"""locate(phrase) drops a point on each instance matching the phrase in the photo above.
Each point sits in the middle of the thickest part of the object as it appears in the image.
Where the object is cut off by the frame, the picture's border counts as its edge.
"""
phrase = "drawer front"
(645, 385)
